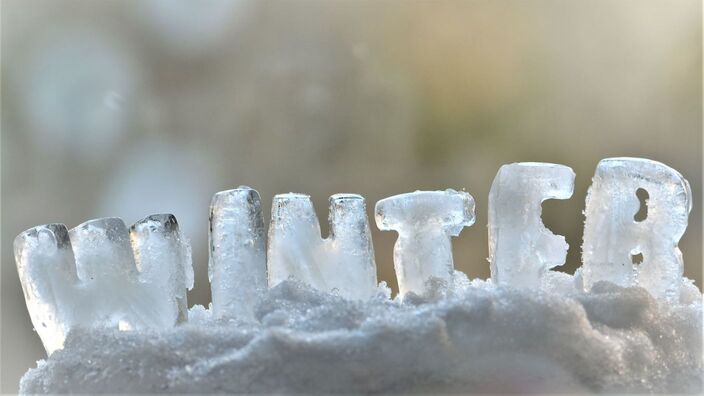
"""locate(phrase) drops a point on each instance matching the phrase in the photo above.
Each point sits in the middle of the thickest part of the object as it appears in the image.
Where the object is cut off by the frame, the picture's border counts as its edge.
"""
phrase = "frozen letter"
(47, 272)
(425, 221)
(521, 249)
(614, 241)
(163, 259)
(99, 274)
(237, 268)
(343, 262)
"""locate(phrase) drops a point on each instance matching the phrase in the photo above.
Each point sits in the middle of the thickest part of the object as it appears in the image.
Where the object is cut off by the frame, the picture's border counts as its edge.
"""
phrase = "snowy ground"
(474, 338)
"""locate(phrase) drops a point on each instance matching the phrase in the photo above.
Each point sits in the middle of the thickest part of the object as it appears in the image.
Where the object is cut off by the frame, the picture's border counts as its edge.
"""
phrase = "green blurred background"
(127, 108)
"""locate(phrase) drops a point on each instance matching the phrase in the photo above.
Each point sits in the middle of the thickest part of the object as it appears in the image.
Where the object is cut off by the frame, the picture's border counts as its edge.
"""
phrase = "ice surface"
(521, 249)
(480, 338)
(613, 237)
(102, 286)
(237, 268)
(425, 222)
(343, 263)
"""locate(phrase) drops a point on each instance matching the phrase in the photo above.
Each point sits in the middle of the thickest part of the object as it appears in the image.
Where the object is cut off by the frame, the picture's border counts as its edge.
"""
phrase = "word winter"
(101, 272)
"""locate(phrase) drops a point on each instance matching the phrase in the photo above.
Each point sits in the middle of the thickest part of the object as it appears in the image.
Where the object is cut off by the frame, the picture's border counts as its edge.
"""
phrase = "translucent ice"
(47, 271)
(104, 285)
(425, 221)
(613, 238)
(163, 259)
(237, 268)
(521, 249)
(342, 263)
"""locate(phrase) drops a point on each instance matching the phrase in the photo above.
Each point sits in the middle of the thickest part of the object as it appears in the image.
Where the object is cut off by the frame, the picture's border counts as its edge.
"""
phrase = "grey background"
(131, 108)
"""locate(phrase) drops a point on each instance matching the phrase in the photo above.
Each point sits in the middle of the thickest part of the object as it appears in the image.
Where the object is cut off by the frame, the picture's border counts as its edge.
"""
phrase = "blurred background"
(127, 108)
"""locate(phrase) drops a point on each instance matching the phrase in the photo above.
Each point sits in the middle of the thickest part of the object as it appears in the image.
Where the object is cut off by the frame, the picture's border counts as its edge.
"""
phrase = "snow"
(474, 336)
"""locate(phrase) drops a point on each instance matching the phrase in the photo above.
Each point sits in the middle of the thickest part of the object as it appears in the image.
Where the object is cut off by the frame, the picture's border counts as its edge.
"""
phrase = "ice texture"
(164, 260)
(521, 249)
(478, 338)
(47, 270)
(237, 267)
(90, 276)
(612, 235)
(343, 263)
(425, 222)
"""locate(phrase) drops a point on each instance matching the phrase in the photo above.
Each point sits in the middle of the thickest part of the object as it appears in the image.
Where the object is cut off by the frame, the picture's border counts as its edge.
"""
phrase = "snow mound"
(472, 337)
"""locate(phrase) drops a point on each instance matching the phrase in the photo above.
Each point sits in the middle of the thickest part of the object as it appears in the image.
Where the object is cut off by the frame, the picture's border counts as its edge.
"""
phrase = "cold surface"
(473, 337)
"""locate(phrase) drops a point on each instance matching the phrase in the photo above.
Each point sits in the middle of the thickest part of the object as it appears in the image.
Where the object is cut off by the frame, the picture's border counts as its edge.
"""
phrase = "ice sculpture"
(425, 221)
(342, 263)
(102, 275)
(521, 249)
(91, 276)
(613, 238)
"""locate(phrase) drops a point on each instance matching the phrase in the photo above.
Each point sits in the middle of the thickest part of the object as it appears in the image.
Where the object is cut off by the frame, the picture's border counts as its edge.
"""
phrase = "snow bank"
(476, 337)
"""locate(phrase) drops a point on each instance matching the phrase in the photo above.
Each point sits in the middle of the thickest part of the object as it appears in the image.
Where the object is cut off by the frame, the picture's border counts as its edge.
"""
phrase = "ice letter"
(237, 268)
(47, 272)
(613, 238)
(344, 262)
(115, 292)
(91, 276)
(164, 260)
(521, 249)
(425, 221)
(103, 250)
(350, 247)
